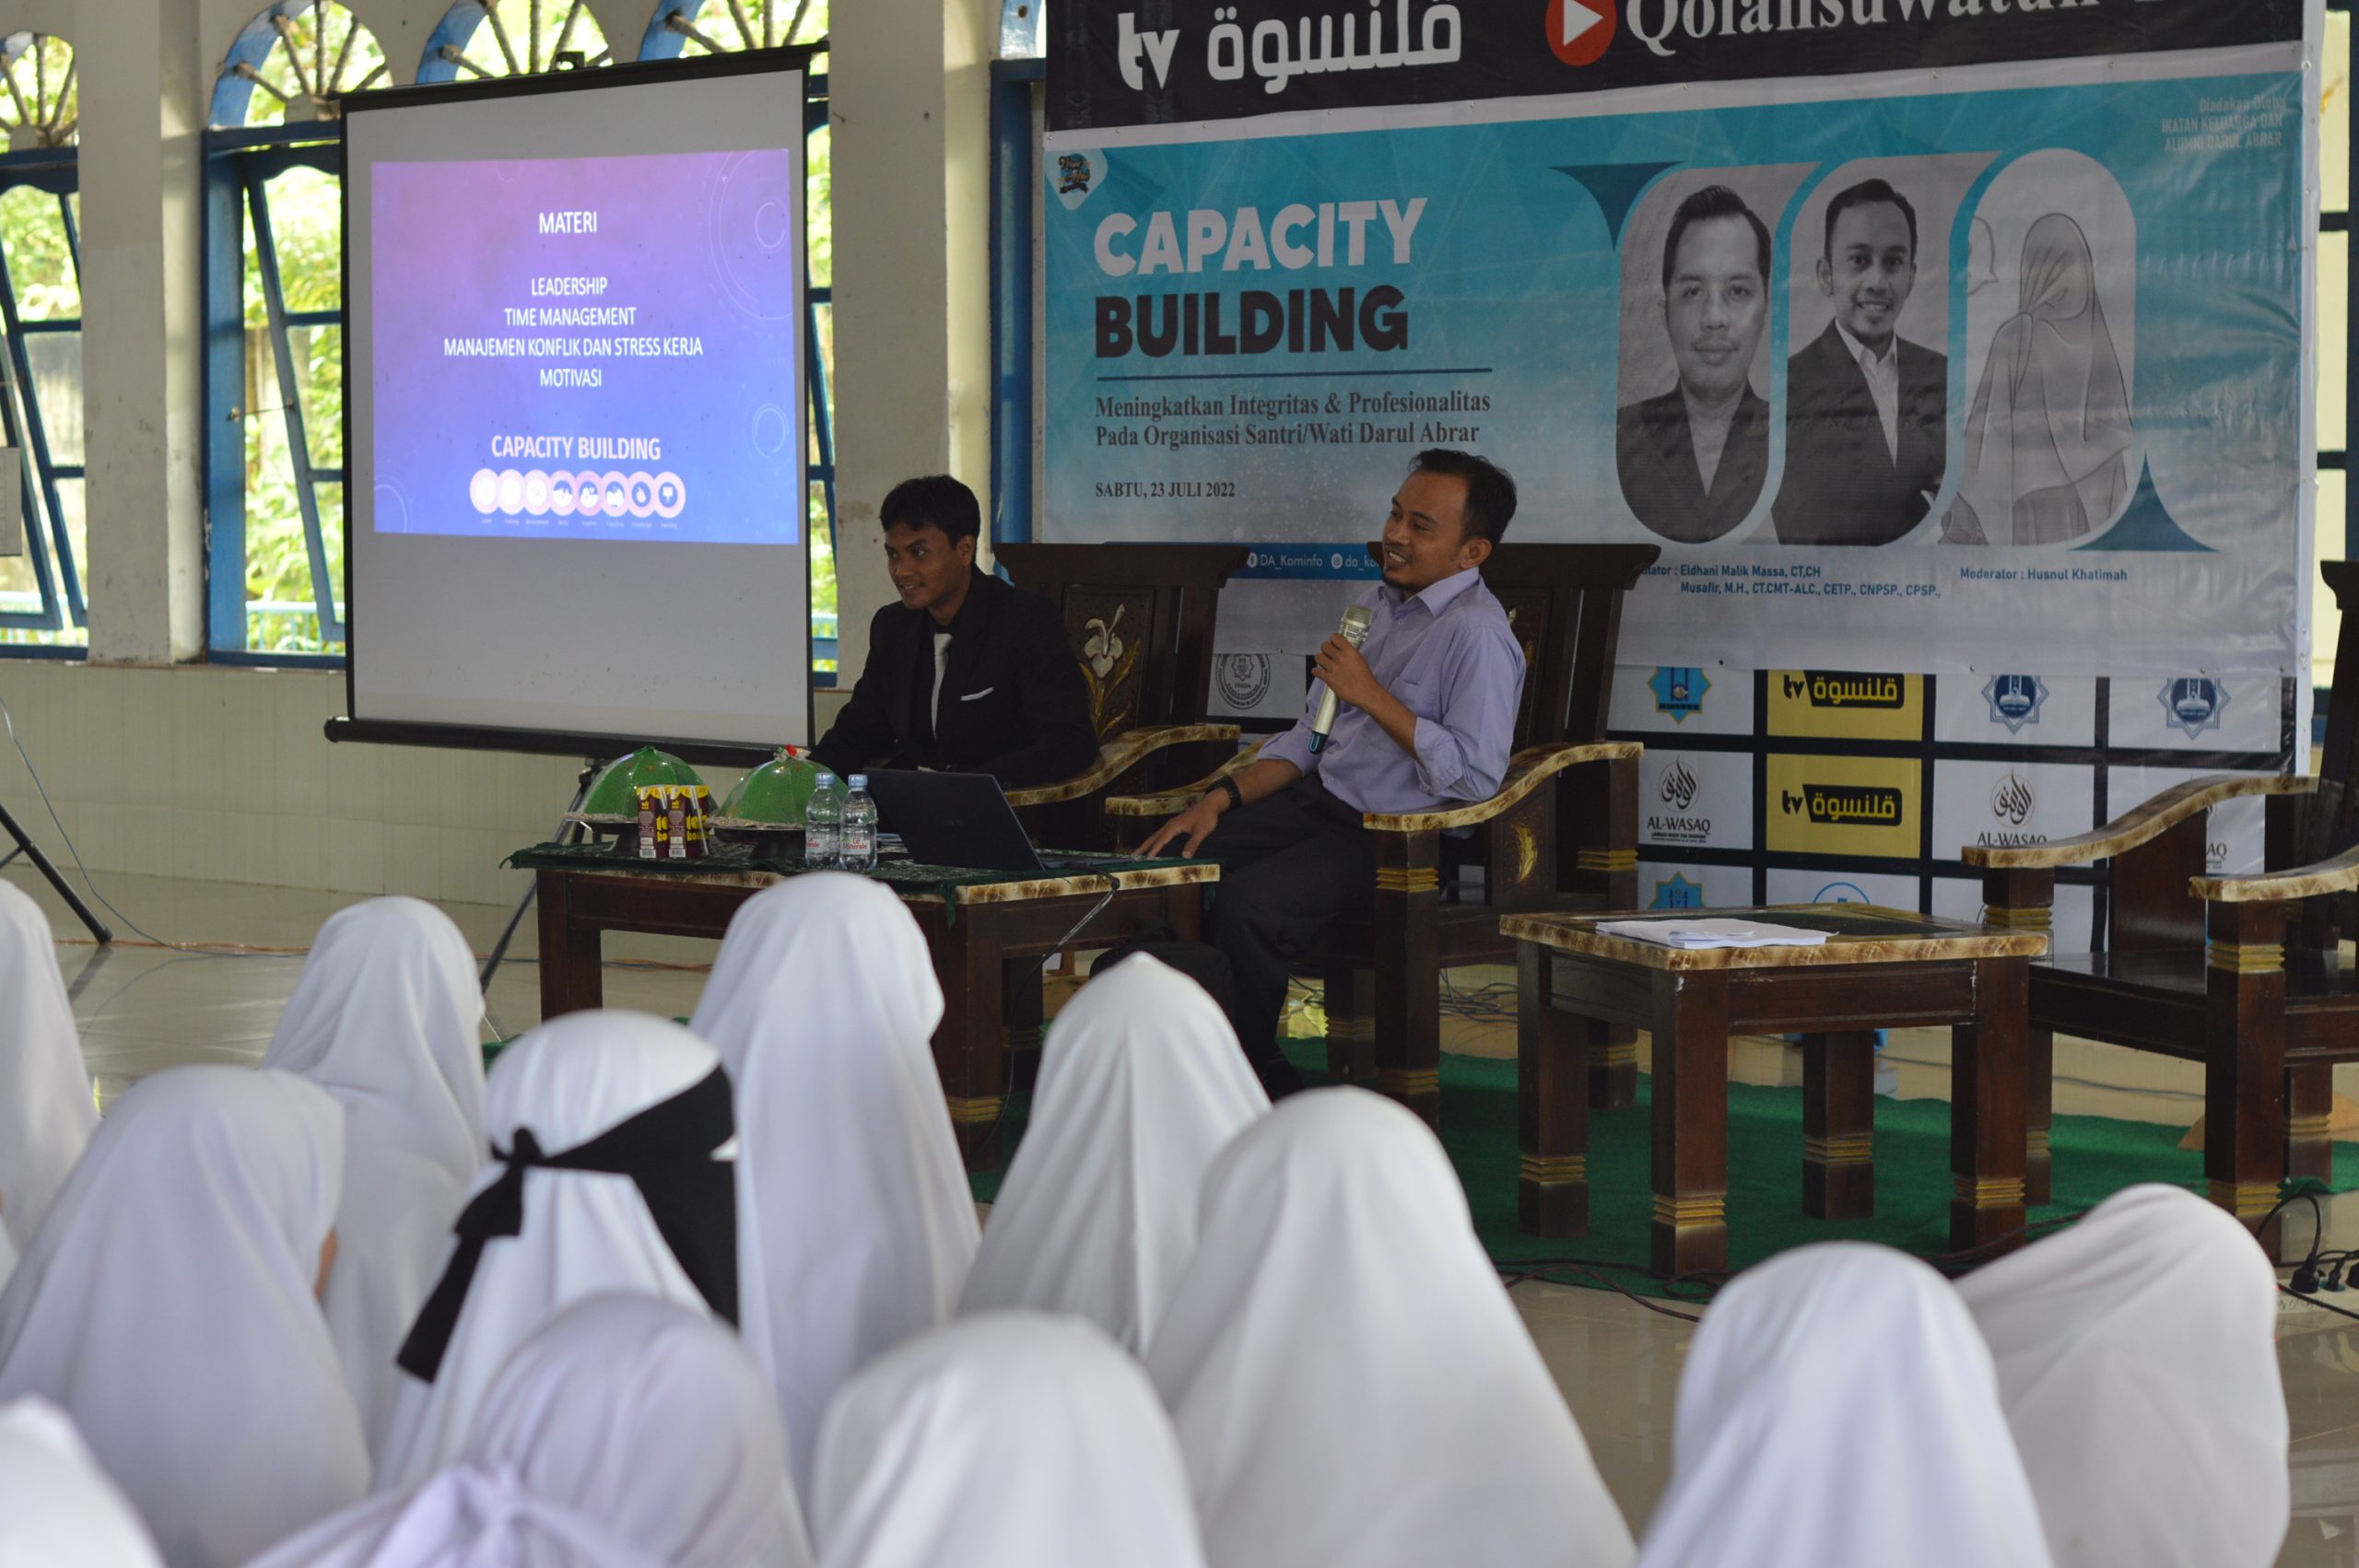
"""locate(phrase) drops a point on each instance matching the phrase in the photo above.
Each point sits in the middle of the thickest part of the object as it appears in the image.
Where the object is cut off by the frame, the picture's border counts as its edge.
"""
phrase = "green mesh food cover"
(616, 791)
(776, 792)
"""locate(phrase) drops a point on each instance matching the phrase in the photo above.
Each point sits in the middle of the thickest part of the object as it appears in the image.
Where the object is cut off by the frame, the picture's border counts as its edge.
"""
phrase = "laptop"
(963, 819)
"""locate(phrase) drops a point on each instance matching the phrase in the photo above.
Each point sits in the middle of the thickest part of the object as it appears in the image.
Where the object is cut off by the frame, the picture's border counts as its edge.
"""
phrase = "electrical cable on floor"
(215, 950)
(9, 720)
(2314, 1301)
(2324, 1269)
(1521, 1277)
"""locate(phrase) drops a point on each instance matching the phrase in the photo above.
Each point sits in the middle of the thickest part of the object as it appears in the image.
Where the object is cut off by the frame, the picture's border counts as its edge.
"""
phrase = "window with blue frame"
(273, 372)
(1019, 79)
(687, 29)
(2330, 316)
(274, 369)
(1022, 29)
(513, 37)
(42, 610)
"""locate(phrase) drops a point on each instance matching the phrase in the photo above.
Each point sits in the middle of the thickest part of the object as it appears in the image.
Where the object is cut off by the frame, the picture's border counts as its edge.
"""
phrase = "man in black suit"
(966, 674)
(1692, 461)
(1865, 410)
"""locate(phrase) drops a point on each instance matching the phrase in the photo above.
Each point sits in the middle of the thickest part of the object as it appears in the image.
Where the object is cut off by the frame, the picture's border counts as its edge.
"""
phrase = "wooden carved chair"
(1140, 621)
(2240, 973)
(1140, 618)
(1560, 834)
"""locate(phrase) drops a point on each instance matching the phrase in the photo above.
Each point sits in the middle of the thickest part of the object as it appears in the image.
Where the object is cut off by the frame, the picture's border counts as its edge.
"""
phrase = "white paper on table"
(1712, 933)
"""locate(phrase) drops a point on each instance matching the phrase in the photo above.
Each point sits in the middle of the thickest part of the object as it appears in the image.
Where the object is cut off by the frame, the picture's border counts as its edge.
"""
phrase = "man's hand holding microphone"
(1350, 682)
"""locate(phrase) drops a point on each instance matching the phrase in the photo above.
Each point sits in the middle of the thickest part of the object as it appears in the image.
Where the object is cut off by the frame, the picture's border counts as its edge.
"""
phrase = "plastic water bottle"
(823, 825)
(860, 826)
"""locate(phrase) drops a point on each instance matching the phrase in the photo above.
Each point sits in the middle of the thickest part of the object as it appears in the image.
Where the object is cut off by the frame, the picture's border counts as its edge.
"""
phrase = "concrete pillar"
(910, 86)
(143, 87)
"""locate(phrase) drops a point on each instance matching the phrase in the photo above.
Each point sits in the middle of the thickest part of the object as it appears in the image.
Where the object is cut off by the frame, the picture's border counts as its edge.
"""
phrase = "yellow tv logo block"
(1844, 805)
(1847, 705)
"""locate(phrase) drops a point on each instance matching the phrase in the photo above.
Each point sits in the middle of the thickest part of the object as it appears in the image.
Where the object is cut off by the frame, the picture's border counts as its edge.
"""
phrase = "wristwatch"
(1228, 786)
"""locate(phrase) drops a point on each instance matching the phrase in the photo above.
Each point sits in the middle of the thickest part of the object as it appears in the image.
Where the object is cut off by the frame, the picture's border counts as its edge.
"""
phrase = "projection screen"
(576, 407)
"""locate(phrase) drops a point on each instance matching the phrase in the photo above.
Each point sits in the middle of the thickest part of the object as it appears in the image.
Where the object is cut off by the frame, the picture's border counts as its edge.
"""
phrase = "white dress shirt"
(1707, 432)
(941, 668)
(1883, 372)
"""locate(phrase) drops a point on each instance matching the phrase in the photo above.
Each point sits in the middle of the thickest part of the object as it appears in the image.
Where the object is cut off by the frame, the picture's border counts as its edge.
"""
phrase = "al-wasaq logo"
(1578, 34)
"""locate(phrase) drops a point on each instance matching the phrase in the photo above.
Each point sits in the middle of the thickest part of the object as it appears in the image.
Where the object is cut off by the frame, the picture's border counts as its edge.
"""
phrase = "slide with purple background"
(599, 348)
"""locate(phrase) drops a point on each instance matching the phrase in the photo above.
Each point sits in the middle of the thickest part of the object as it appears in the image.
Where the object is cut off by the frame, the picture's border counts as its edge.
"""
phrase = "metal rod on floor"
(568, 829)
(31, 851)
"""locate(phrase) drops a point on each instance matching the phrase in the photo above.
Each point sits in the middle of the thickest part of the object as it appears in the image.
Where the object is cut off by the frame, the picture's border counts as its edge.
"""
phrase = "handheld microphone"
(1356, 620)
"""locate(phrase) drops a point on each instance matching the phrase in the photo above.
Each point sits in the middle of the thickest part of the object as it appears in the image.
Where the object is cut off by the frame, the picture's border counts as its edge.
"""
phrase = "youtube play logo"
(1578, 32)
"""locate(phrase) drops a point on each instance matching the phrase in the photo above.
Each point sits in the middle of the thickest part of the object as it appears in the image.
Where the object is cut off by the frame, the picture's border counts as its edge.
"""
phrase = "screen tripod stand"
(30, 850)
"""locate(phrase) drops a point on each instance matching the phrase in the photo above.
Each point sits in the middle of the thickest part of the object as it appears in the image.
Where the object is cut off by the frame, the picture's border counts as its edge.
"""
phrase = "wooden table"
(987, 939)
(1880, 968)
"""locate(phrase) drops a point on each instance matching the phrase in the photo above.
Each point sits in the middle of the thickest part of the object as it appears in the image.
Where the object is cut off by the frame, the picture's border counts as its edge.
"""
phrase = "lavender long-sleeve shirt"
(1449, 656)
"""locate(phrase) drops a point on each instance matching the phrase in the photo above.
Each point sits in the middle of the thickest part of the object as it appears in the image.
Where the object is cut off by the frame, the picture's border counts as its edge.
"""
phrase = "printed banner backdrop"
(1991, 382)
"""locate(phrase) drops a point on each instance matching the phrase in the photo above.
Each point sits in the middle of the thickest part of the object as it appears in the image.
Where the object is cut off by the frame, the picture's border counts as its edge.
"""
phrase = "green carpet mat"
(2093, 1157)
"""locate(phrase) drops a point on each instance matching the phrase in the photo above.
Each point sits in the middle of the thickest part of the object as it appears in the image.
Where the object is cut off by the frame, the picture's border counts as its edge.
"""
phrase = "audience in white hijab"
(57, 1508)
(168, 1305)
(626, 1433)
(46, 1112)
(1350, 1382)
(1838, 1406)
(384, 1018)
(549, 1345)
(1140, 1084)
(1008, 1440)
(856, 1224)
(570, 1109)
(2137, 1361)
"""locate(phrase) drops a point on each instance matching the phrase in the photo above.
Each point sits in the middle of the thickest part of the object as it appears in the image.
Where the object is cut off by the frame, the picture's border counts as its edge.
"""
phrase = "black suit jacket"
(1843, 484)
(1013, 702)
(1661, 480)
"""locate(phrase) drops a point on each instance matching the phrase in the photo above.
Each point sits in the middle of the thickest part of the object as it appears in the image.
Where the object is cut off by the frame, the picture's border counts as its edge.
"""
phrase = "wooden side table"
(1880, 968)
(977, 932)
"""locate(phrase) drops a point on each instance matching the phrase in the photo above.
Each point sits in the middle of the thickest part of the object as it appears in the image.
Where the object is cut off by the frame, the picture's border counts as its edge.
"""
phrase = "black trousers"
(1289, 864)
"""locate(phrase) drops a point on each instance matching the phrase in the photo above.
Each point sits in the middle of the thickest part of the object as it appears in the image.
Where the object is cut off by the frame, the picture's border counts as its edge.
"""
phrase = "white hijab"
(166, 1306)
(46, 1114)
(583, 1232)
(57, 1508)
(2053, 409)
(1141, 1083)
(1338, 1311)
(855, 1224)
(2137, 1362)
(1008, 1440)
(384, 1019)
(627, 1432)
(1838, 1406)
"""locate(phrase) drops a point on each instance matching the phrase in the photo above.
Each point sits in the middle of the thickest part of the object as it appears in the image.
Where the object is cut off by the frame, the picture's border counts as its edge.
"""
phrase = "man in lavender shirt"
(1427, 716)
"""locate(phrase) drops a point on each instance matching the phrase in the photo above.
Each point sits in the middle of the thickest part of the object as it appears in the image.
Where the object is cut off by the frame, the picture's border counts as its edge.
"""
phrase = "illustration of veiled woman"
(2048, 441)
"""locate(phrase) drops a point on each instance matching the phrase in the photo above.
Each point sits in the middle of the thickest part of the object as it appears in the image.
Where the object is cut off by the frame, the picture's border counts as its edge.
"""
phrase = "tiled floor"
(144, 1007)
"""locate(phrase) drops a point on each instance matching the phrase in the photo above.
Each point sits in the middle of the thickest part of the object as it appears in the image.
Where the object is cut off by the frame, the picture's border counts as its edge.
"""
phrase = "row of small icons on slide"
(561, 494)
